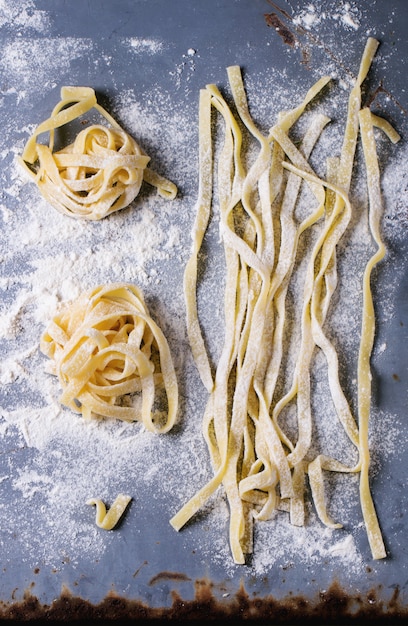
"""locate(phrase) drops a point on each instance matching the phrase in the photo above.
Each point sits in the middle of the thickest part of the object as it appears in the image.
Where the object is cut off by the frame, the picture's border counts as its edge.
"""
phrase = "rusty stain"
(137, 572)
(332, 606)
(309, 36)
(372, 98)
(283, 31)
(287, 36)
(168, 576)
(293, 37)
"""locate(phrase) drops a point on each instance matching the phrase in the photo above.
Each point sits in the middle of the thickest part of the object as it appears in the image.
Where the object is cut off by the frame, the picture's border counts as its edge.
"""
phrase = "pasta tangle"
(100, 172)
(106, 350)
(261, 463)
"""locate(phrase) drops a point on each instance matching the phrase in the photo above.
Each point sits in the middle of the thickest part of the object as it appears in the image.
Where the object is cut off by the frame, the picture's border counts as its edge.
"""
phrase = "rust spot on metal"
(302, 34)
(373, 98)
(168, 576)
(286, 34)
(297, 34)
(332, 606)
(283, 31)
(136, 573)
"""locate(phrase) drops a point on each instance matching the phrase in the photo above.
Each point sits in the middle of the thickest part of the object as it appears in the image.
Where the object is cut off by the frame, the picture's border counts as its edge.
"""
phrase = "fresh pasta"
(109, 519)
(262, 466)
(100, 172)
(105, 350)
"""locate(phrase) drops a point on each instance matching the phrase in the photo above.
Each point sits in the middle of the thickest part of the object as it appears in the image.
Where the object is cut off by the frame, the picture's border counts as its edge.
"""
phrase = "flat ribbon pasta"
(105, 346)
(259, 458)
(100, 172)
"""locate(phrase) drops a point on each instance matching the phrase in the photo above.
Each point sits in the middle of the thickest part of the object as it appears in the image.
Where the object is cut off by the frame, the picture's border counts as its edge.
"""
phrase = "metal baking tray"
(147, 62)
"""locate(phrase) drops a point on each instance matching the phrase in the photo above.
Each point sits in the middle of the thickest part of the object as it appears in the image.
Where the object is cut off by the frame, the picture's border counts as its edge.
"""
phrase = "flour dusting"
(345, 13)
(23, 15)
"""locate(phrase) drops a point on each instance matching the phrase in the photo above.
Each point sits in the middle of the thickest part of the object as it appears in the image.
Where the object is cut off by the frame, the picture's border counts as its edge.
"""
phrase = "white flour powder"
(311, 16)
(23, 15)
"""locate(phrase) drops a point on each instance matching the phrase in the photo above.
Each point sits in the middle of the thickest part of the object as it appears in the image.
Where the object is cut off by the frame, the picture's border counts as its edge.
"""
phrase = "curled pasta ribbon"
(259, 459)
(109, 519)
(111, 358)
(100, 172)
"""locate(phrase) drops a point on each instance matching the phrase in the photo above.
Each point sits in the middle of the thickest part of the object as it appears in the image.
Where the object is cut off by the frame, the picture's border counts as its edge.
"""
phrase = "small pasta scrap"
(100, 172)
(112, 359)
(107, 520)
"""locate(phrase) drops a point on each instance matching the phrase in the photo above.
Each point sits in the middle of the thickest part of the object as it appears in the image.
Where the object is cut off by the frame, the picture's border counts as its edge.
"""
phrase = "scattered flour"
(347, 14)
(23, 15)
(57, 56)
(144, 46)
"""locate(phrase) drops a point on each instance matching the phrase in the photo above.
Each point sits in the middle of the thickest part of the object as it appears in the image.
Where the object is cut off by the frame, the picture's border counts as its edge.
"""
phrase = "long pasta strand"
(260, 467)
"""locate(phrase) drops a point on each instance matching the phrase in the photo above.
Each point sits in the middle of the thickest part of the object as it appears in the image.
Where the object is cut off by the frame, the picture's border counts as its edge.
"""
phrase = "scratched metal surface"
(146, 562)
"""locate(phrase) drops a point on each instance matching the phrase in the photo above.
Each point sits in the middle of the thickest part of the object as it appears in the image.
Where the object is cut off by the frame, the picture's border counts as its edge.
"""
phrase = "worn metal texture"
(147, 61)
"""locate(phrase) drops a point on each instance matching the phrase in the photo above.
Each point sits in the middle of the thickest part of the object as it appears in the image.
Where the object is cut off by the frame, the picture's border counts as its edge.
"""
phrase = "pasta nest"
(101, 172)
(111, 358)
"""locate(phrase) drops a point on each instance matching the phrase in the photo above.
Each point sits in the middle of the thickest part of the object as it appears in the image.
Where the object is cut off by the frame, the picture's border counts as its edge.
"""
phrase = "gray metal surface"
(154, 56)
